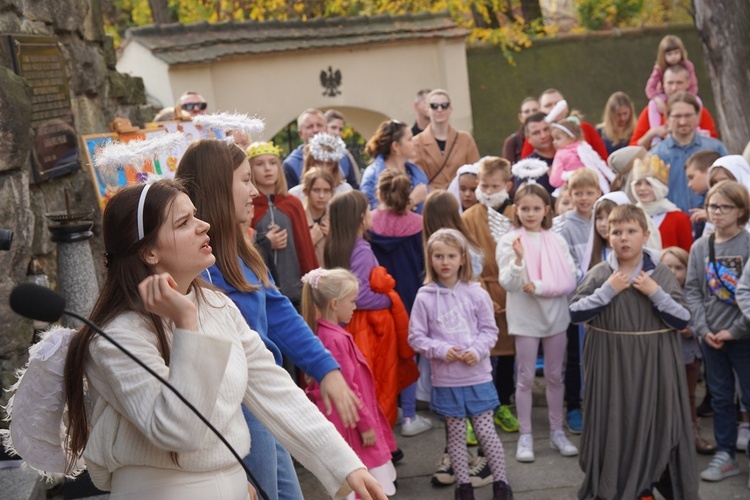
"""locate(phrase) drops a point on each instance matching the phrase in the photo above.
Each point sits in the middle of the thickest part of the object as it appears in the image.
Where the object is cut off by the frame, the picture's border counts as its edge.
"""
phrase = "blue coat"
(277, 322)
(372, 174)
(402, 256)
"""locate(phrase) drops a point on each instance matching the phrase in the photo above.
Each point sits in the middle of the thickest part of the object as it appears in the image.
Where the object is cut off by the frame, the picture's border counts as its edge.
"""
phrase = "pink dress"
(358, 376)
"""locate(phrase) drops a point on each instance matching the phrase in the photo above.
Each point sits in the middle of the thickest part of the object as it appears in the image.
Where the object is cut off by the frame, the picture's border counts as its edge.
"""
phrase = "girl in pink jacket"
(453, 325)
(328, 300)
(572, 153)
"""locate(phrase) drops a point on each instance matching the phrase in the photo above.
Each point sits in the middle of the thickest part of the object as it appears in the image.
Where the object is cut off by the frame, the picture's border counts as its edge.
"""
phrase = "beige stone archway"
(273, 69)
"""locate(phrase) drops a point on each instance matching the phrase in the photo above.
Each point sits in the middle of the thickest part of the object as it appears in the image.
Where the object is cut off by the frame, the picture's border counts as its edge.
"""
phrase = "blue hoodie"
(372, 173)
(277, 322)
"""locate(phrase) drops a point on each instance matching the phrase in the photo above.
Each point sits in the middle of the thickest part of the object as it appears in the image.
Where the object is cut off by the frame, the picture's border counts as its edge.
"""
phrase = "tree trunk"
(530, 9)
(161, 13)
(724, 29)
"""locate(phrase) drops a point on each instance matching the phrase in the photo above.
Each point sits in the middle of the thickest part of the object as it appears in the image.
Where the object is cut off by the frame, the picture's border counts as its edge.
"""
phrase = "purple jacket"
(359, 377)
(361, 264)
(462, 317)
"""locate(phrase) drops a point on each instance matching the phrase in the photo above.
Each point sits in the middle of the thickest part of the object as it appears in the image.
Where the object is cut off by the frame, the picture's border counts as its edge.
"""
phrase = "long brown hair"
(667, 44)
(126, 268)
(207, 170)
(440, 210)
(345, 215)
(534, 189)
(604, 207)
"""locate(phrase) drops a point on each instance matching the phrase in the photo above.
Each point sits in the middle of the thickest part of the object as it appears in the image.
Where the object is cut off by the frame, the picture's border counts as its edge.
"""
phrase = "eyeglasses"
(436, 105)
(722, 209)
(682, 117)
(192, 106)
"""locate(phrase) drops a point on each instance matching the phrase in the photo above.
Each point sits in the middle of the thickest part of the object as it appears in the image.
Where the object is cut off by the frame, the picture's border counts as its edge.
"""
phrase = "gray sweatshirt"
(710, 314)
(576, 231)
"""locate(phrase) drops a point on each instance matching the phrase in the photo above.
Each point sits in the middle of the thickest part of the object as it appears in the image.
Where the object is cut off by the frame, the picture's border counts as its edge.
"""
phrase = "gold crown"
(263, 148)
(653, 166)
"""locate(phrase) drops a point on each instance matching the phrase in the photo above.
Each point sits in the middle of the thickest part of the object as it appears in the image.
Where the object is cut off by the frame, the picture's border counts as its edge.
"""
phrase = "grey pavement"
(550, 477)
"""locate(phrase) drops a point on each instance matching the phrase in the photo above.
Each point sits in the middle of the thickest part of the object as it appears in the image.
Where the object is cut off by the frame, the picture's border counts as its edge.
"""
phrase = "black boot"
(501, 491)
(465, 491)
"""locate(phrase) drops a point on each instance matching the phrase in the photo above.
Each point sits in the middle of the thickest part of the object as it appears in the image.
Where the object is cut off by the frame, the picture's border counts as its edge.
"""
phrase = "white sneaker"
(525, 448)
(743, 436)
(559, 442)
(416, 425)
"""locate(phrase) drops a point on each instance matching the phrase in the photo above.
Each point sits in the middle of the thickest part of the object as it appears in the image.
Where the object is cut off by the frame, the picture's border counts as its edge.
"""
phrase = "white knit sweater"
(137, 421)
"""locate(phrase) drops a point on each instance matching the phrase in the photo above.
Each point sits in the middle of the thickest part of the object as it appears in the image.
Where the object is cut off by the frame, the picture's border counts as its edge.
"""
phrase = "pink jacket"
(654, 85)
(566, 160)
(358, 376)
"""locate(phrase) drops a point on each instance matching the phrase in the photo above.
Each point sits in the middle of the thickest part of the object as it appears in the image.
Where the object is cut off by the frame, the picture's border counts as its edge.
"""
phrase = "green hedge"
(587, 69)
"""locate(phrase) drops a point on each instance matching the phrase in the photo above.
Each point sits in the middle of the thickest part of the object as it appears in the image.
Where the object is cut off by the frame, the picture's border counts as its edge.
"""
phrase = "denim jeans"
(270, 463)
(721, 365)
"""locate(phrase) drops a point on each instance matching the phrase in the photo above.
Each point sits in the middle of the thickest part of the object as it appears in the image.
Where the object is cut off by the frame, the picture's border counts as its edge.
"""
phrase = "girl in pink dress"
(328, 300)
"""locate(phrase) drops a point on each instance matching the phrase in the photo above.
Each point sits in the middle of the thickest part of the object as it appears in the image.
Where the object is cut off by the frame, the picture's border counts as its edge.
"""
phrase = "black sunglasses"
(192, 106)
(444, 105)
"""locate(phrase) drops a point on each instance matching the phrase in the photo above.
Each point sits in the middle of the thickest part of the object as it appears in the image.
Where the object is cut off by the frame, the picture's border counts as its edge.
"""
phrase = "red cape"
(292, 208)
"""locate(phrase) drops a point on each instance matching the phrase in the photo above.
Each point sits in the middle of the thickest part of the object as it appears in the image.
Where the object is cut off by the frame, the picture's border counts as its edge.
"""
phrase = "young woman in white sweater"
(138, 440)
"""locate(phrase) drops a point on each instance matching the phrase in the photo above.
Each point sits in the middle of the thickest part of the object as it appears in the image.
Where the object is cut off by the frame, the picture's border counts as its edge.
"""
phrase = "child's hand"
(368, 437)
(619, 281)
(698, 215)
(687, 332)
(518, 248)
(712, 341)
(723, 336)
(529, 288)
(277, 237)
(469, 358)
(644, 284)
(452, 355)
(660, 105)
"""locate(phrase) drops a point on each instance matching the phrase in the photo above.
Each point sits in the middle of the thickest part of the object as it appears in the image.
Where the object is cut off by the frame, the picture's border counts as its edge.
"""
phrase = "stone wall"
(586, 68)
(98, 93)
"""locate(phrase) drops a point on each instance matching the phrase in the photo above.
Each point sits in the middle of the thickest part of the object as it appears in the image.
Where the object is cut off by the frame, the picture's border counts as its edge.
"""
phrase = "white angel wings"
(500, 225)
(36, 411)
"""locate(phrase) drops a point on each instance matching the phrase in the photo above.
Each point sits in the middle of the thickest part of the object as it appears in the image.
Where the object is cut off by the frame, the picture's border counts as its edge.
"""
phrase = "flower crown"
(326, 147)
(530, 169)
(313, 277)
(263, 148)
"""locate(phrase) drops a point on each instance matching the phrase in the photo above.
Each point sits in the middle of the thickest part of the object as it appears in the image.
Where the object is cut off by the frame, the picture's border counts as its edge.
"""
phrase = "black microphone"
(42, 304)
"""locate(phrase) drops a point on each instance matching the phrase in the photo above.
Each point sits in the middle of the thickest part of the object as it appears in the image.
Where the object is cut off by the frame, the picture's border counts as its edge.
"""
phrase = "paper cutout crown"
(653, 166)
(263, 148)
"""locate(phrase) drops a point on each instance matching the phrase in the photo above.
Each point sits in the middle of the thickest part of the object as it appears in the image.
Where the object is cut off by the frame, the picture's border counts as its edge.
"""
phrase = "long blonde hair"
(321, 286)
(609, 118)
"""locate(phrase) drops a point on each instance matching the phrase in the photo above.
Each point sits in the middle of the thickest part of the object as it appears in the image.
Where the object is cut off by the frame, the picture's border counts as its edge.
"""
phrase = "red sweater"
(642, 126)
(676, 231)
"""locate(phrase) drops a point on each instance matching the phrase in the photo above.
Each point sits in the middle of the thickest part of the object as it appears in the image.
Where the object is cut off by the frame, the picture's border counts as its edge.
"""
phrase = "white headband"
(564, 129)
(141, 202)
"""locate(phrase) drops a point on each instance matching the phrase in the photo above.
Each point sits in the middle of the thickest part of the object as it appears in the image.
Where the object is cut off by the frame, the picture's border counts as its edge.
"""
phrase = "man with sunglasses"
(440, 150)
(192, 103)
